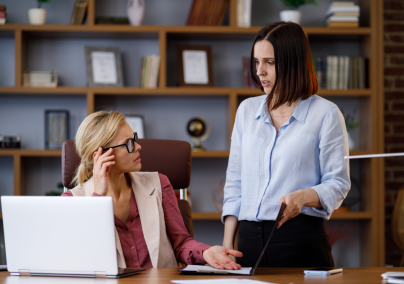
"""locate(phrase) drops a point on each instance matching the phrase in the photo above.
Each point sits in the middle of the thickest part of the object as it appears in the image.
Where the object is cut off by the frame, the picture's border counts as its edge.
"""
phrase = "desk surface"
(368, 275)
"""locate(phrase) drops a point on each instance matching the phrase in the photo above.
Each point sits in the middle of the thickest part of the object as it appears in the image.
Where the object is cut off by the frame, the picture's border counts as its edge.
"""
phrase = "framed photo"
(56, 128)
(136, 122)
(195, 66)
(104, 67)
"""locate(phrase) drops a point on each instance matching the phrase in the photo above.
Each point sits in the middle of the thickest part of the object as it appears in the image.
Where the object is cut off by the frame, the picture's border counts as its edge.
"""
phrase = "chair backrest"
(169, 157)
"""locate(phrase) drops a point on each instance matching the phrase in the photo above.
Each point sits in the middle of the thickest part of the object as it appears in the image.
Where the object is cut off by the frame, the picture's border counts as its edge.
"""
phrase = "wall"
(393, 113)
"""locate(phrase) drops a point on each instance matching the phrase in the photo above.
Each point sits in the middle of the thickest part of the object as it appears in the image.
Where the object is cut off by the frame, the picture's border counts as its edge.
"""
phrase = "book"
(79, 12)
(244, 13)
(112, 20)
(342, 3)
(349, 14)
(150, 71)
(40, 79)
(336, 9)
(342, 19)
(343, 24)
(207, 12)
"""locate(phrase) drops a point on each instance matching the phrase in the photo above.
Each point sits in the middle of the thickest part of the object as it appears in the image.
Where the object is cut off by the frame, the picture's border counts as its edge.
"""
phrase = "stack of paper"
(220, 281)
(40, 79)
(393, 277)
(150, 71)
(343, 15)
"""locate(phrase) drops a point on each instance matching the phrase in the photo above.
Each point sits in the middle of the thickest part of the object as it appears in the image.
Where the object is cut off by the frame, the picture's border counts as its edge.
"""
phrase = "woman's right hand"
(102, 167)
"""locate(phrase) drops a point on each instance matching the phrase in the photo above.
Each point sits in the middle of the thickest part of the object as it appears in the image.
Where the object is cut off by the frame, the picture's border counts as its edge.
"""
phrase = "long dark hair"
(295, 76)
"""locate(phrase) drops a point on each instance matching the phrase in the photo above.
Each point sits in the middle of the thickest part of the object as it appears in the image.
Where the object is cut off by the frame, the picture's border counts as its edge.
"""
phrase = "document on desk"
(220, 281)
(208, 269)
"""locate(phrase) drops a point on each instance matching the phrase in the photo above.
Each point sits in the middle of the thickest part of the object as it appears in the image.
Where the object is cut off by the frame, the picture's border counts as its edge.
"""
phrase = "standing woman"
(287, 146)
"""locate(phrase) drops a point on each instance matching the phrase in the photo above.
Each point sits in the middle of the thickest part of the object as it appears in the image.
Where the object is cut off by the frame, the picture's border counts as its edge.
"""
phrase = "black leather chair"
(169, 157)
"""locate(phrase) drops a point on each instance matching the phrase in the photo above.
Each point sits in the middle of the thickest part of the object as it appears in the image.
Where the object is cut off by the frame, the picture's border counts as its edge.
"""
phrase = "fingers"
(100, 159)
(106, 167)
(215, 264)
(233, 252)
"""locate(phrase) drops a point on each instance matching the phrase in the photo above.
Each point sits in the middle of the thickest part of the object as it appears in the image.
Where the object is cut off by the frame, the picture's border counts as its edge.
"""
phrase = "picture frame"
(195, 67)
(136, 122)
(57, 123)
(104, 66)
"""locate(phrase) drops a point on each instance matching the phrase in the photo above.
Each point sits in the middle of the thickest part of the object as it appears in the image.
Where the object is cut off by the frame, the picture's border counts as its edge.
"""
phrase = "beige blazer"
(147, 189)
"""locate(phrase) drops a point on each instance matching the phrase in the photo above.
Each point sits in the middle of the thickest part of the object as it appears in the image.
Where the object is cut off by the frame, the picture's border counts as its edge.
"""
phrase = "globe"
(196, 127)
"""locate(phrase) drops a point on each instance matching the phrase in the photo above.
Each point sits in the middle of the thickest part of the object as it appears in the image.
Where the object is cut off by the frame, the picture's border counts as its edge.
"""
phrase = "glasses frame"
(134, 140)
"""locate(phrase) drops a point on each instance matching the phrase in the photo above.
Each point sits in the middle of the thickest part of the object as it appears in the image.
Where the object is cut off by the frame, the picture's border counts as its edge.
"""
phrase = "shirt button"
(133, 247)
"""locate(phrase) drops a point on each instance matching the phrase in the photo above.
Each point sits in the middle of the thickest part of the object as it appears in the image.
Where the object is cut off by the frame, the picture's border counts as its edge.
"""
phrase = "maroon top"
(134, 247)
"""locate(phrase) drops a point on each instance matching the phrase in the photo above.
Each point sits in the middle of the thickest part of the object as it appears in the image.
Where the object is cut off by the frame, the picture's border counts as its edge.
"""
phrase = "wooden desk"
(367, 275)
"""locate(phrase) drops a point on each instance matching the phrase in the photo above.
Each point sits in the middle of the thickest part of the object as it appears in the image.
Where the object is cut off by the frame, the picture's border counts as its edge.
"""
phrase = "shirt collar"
(299, 114)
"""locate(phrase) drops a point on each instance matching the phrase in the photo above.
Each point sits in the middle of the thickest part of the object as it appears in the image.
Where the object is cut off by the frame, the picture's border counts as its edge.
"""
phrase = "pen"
(374, 156)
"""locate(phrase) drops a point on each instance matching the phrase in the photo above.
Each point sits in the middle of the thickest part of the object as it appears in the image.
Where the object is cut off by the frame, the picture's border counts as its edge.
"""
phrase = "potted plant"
(37, 16)
(292, 15)
(350, 125)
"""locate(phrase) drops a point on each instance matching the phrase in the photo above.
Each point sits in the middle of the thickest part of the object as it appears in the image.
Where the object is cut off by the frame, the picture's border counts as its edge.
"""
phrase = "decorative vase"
(351, 143)
(136, 10)
(291, 16)
(37, 16)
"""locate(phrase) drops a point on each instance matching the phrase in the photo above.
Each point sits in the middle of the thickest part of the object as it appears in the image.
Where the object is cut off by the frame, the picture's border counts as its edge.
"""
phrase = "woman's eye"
(271, 63)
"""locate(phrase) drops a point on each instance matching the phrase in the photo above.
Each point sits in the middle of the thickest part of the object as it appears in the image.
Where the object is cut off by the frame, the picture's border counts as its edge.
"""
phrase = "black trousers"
(300, 242)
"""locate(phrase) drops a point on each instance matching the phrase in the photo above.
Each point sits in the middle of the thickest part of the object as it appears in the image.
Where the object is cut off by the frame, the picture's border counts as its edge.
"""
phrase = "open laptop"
(201, 269)
(61, 236)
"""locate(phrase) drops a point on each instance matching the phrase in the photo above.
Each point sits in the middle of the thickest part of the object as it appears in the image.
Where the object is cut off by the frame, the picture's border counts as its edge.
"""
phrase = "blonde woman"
(149, 228)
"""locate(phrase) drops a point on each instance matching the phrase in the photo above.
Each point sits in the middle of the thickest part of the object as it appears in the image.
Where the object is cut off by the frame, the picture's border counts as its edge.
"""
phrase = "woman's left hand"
(218, 257)
(294, 203)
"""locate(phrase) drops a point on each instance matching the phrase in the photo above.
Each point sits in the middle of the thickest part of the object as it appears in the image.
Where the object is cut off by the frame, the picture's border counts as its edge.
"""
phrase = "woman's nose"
(260, 70)
(137, 147)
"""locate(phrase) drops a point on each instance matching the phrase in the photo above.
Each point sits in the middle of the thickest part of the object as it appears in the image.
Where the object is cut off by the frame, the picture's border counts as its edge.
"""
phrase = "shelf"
(152, 32)
(31, 152)
(163, 91)
(336, 216)
(58, 153)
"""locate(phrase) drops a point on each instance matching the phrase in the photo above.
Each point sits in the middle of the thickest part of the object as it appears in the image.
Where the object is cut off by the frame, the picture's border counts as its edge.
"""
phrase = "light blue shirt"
(307, 152)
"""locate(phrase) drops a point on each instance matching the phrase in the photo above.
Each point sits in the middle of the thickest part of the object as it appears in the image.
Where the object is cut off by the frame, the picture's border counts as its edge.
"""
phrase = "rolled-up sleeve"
(334, 169)
(232, 188)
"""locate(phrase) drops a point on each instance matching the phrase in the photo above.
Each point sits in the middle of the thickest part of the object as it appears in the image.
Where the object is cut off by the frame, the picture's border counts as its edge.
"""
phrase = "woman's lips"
(137, 160)
(265, 84)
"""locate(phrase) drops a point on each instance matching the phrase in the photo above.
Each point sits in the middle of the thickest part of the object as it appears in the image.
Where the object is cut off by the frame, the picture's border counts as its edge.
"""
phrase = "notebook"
(203, 269)
(61, 236)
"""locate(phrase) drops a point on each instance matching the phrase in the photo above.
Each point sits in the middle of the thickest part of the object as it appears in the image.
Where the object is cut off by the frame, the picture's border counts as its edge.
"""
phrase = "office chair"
(169, 157)
(397, 222)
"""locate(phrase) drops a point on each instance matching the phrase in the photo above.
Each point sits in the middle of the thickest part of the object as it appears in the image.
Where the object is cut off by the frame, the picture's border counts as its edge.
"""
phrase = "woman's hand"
(102, 167)
(219, 257)
(296, 200)
(294, 204)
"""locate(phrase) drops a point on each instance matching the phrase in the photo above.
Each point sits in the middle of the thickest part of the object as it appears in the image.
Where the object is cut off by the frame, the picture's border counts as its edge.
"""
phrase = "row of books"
(244, 13)
(207, 12)
(40, 79)
(150, 71)
(79, 12)
(343, 15)
(341, 72)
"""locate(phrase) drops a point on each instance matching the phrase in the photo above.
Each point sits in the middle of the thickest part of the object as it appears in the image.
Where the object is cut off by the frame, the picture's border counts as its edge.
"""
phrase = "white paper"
(392, 274)
(243, 270)
(220, 281)
(136, 124)
(195, 64)
(104, 67)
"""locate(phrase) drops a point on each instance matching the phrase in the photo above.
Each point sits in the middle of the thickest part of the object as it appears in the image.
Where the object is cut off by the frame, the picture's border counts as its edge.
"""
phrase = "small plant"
(57, 192)
(40, 2)
(295, 4)
(350, 122)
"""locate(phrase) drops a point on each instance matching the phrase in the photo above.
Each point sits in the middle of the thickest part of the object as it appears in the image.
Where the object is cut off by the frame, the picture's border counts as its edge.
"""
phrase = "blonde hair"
(96, 130)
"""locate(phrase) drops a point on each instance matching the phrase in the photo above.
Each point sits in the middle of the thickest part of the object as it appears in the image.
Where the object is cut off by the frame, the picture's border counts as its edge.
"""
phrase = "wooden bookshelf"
(371, 218)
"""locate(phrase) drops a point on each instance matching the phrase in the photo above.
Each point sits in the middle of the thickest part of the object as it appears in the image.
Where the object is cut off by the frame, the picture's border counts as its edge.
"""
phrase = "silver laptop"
(61, 236)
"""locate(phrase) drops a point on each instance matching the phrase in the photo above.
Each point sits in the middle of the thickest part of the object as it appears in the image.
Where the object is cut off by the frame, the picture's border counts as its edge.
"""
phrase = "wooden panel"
(163, 59)
(91, 13)
(233, 13)
(17, 174)
(19, 57)
(90, 103)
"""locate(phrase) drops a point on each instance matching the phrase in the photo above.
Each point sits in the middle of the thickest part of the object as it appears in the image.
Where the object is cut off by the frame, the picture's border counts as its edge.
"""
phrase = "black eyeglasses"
(130, 144)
